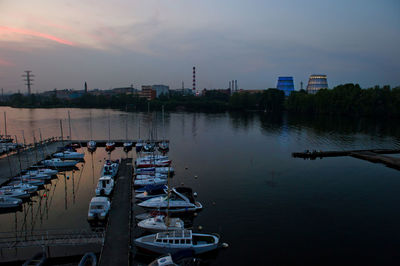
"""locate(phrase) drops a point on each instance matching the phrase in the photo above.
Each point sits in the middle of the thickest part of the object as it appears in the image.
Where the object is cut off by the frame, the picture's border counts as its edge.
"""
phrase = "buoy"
(67, 177)
(200, 227)
(44, 195)
(195, 194)
(213, 203)
(225, 245)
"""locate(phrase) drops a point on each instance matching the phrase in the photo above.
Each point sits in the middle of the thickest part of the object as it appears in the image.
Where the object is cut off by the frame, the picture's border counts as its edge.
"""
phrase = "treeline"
(348, 99)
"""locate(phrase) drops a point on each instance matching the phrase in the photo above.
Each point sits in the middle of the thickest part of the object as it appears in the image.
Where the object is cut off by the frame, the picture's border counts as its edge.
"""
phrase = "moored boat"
(110, 168)
(149, 181)
(69, 155)
(14, 193)
(22, 186)
(110, 146)
(161, 223)
(9, 202)
(105, 186)
(91, 145)
(98, 208)
(57, 162)
(173, 241)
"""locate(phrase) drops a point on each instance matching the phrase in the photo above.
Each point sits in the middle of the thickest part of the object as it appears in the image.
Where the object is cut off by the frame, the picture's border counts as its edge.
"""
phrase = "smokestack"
(194, 79)
(229, 84)
(85, 87)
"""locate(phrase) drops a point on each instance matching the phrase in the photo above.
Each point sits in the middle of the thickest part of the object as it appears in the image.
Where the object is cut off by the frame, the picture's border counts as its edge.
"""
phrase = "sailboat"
(161, 222)
(127, 144)
(139, 143)
(110, 146)
(91, 145)
(163, 146)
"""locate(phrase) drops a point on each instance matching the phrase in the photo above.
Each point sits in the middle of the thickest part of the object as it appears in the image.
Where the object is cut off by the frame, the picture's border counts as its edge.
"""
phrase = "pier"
(118, 142)
(372, 155)
(116, 248)
(12, 164)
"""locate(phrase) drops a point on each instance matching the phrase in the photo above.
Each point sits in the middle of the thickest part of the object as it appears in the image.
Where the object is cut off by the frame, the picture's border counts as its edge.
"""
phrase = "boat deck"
(116, 250)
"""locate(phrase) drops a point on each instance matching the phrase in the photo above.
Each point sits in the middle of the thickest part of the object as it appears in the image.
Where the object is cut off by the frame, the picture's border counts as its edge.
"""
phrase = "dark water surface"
(270, 208)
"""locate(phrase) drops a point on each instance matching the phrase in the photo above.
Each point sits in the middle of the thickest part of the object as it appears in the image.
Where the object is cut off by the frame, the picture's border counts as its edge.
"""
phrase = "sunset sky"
(122, 42)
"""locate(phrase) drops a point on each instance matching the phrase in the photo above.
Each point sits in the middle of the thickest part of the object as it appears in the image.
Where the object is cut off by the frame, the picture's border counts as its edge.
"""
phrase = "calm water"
(270, 208)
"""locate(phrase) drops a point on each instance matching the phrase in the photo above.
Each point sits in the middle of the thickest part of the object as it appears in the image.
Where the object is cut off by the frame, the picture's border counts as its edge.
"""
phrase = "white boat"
(110, 168)
(69, 155)
(91, 145)
(36, 176)
(105, 186)
(161, 176)
(34, 182)
(155, 170)
(127, 146)
(161, 223)
(57, 162)
(164, 146)
(98, 208)
(14, 193)
(173, 241)
(149, 181)
(9, 202)
(149, 147)
(153, 163)
(181, 200)
(152, 192)
(151, 157)
(45, 171)
(22, 186)
(164, 260)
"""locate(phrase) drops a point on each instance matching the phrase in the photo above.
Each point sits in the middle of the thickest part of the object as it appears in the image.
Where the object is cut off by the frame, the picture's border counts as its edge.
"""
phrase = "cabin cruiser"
(110, 146)
(22, 186)
(98, 208)
(110, 168)
(69, 155)
(57, 162)
(105, 186)
(91, 145)
(152, 191)
(9, 202)
(149, 181)
(14, 193)
(173, 241)
(180, 200)
(161, 223)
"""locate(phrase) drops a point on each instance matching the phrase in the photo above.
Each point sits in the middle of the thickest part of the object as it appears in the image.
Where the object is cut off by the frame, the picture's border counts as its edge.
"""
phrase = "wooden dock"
(389, 161)
(116, 248)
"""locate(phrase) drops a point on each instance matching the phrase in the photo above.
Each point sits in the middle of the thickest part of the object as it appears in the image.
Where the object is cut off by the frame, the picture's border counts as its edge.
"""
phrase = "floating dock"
(102, 143)
(116, 248)
(373, 155)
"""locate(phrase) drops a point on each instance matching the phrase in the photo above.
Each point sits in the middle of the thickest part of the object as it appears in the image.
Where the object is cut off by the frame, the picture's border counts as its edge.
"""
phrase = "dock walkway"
(115, 250)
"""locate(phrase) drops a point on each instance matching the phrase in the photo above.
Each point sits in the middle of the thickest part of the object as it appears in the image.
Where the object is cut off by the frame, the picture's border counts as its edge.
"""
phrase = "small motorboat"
(149, 147)
(36, 176)
(149, 187)
(98, 208)
(57, 162)
(43, 171)
(37, 260)
(91, 145)
(110, 168)
(105, 186)
(139, 145)
(14, 193)
(180, 200)
(69, 155)
(9, 202)
(149, 181)
(151, 157)
(22, 186)
(110, 146)
(164, 260)
(152, 191)
(153, 163)
(29, 181)
(147, 215)
(173, 241)
(161, 176)
(153, 170)
(161, 223)
(127, 146)
(163, 146)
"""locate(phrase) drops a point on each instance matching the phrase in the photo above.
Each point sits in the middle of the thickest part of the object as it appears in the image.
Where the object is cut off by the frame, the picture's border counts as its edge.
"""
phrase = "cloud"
(9, 32)
(5, 63)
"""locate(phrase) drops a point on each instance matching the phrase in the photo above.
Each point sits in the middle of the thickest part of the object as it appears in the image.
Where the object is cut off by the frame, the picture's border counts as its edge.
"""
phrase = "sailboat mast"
(109, 130)
(5, 124)
(126, 129)
(62, 135)
(163, 123)
(90, 124)
(69, 126)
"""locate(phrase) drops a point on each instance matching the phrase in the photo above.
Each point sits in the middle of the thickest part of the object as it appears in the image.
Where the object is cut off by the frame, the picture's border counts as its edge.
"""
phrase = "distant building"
(161, 90)
(251, 91)
(316, 83)
(147, 92)
(285, 84)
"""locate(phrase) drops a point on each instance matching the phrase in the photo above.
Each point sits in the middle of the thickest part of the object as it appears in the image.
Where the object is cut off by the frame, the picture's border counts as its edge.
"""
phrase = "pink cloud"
(5, 63)
(8, 30)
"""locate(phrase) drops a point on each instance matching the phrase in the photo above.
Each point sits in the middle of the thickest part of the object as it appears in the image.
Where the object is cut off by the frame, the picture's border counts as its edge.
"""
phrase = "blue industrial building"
(286, 85)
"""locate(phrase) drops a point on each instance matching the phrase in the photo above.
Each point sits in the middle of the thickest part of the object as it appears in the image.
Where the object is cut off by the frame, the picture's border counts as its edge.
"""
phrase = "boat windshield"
(97, 207)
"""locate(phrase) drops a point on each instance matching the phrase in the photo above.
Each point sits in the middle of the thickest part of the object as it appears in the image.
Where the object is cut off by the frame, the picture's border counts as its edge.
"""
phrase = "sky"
(122, 42)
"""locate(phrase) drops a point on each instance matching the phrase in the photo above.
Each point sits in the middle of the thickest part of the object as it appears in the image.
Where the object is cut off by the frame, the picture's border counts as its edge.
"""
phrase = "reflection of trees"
(241, 120)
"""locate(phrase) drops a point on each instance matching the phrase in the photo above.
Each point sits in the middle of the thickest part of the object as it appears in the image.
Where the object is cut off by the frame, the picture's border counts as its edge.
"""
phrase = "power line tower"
(28, 78)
